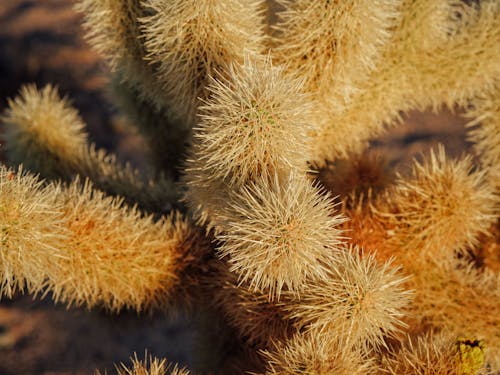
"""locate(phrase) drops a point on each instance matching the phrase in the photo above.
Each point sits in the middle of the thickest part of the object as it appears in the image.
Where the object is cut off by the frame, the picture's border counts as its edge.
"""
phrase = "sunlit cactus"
(360, 303)
(435, 353)
(43, 131)
(428, 62)
(343, 41)
(281, 232)
(485, 130)
(91, 250)
(117, 258)
(149, 366)
(442, 208)
(31, 232)
(189, 41)
(264, 216)
(46, 134)
(256, 122)
(313, 354)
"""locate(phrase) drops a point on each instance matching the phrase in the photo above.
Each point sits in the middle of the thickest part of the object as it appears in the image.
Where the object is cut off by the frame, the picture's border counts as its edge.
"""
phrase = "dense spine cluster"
(276, 228)
(88, 249)
(46, 134)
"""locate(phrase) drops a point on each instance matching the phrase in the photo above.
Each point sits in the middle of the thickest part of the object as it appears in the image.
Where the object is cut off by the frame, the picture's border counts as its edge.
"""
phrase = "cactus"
(246, 117)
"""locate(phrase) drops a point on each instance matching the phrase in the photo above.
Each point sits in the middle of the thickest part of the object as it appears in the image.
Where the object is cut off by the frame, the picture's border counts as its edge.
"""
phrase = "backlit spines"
(43, 131)
(163, 54)
(450, 64)
(280, 232)
(431, 354)
(31, 235)
(113, 29)
(343, 41)
(468, 61)
(46, 134)
(256, 122)
(313, 354)
(484, 113)
(359, 304)
(88, 249)
(149, 366)
(344, 44)
(275, 228)
(351, 69)
(116, 258)
(189, 41)
(442, 208)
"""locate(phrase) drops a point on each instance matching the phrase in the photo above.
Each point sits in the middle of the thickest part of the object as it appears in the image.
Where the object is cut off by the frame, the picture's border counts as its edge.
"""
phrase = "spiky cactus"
(244, 119)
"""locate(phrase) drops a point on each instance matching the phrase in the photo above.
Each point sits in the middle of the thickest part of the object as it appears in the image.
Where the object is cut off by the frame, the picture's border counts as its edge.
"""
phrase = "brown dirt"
(41, 41)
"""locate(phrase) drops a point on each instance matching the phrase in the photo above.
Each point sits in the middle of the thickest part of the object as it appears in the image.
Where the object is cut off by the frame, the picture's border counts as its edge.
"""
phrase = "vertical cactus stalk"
(113, 29)
(189, 41)
(163, 53)
(333, 45)
(255, 122)
(247, 142)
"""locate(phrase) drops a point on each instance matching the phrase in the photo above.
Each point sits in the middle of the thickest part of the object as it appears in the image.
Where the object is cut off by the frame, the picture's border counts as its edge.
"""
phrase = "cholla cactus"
(389, 276)
(149, 366)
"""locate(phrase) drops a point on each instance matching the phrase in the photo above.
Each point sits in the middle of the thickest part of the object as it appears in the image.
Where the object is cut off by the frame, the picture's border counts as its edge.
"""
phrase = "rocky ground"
(41, 42)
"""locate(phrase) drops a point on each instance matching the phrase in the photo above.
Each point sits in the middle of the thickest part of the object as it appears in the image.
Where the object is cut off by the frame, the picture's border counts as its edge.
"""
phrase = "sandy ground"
(41, 42)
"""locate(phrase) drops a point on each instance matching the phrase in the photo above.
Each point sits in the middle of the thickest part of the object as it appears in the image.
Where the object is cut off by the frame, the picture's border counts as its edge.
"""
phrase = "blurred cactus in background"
(245, 105)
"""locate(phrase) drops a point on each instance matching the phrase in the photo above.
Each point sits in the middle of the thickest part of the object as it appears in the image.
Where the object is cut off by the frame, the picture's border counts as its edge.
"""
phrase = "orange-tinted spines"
(32, 233)
(443, 207)
(116, 257)
(359, 304)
